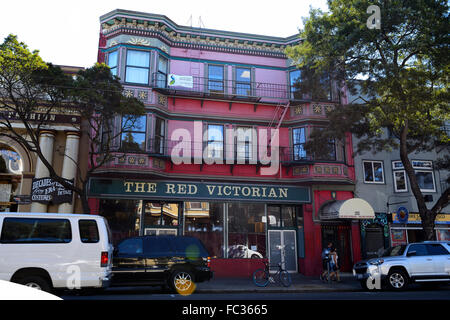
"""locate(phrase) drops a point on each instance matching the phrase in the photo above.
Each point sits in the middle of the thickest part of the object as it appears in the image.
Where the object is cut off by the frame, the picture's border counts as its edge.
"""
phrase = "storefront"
(238, 223)
(375, 236)
(406, 228)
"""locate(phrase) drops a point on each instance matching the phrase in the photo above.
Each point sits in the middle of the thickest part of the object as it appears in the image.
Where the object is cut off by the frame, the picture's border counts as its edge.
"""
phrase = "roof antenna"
(189, 21)
(200, 22)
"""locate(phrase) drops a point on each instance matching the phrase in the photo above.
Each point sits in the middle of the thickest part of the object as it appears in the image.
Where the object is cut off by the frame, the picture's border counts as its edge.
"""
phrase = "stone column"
(46, 139)
(69, 170)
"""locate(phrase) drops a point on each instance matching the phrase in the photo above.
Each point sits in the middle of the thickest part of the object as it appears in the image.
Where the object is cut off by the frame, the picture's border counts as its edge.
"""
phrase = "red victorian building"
(219, 154)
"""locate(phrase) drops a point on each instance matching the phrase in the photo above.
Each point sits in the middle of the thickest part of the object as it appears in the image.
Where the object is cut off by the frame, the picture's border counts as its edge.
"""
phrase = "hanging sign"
(46, 190)
(174, 80)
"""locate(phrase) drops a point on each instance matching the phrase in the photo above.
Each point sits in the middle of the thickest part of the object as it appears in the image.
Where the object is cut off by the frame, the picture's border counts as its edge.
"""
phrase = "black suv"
(175, 261)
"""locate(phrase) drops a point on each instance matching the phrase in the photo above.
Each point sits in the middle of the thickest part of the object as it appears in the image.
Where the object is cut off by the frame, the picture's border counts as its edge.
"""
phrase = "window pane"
(134, 123)
(246, 230)
(132, 141)
(88, 231)
(243, 75)
(294, 77)
(33, 230)
(112, 59)
(136, 75)
(162, 65)
(207, 225)
(156, 247)
(299, 135)
(400, 181)
(436, 249)
(243, 89)
(138, 58)
(215, 72)
(215, 86)
(420, 249)
(425, 180)
(288, 216)
(368, 173)
(378, 171)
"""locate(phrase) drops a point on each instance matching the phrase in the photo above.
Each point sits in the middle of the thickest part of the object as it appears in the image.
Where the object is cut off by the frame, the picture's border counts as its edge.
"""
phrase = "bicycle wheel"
(260, 277)
(285, 278)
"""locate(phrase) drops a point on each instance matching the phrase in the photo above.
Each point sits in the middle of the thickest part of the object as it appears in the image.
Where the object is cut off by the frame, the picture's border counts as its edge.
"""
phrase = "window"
(112, 62)
(243, 81)
(215, 78)
(244, 143)
(156, 247)
(400, 181)
(298, 143)
(420, 249)
(36, 230)
(215, 142)
(294, 81)
(160, 132)
(424, 175)
(373, 172)
(88, 231)
(436, 250)
(246, 230)
(138, 65)
(133, 133)
(162, 72)
(131, 246)
(207, 225)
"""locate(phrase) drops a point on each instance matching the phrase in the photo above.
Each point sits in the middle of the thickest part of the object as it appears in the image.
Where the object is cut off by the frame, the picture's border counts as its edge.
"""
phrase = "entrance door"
(340, 236)
(374, 240)
(280, 240)
(160, 218)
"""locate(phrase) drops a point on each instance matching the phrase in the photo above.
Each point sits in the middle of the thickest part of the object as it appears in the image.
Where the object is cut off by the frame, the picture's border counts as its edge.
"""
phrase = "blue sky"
(66, 32)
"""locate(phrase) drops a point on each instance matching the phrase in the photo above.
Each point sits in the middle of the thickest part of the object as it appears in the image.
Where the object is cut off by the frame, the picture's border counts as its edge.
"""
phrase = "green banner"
(167, 190)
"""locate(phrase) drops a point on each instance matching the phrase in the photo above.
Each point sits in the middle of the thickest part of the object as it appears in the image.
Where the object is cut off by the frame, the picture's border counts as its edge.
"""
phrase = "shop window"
(443, 234)
(133, 133)
(123, 217)
(373, 171)
(112, 62)
(206, 224)
(157, 214)
(138, 67)
(246, 230)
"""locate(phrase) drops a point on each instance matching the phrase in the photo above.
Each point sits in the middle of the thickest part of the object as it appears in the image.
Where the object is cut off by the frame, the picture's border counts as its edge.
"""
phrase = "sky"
(66, 32)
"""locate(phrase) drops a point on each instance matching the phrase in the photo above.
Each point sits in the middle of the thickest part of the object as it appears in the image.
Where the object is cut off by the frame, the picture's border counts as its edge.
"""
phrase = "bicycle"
(262, 277)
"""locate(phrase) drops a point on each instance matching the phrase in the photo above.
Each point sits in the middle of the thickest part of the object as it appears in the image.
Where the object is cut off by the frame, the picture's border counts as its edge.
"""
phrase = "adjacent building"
(203, 161)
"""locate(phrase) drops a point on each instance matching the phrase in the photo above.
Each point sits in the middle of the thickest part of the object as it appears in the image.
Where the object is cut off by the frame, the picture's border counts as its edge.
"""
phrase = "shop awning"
(355, 208)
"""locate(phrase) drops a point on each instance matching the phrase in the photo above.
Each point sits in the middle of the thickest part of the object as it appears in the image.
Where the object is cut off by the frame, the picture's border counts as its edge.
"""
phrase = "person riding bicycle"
(326, 257)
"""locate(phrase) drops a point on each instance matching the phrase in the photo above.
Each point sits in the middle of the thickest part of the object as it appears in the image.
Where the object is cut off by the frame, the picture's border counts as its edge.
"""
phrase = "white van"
(53, 250)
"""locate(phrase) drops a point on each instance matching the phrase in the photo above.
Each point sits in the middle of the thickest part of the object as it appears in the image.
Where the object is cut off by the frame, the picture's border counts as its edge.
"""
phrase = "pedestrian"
(334, 267)
(326, 262)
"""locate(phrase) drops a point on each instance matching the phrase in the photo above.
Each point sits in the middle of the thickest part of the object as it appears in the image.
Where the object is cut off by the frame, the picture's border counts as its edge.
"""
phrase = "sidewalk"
(300, 283)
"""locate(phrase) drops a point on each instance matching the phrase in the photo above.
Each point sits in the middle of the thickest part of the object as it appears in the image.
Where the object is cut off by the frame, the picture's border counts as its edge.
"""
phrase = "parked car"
(401, 265)
(175, 261)
(48, 251)
(241, 251)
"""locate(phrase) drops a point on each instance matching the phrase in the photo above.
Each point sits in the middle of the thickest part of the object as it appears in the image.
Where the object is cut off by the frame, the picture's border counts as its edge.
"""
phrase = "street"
(416, 293)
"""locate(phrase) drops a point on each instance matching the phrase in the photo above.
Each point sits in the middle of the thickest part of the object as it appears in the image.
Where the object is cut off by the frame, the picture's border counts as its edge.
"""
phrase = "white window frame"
(373, 172)
(397, 166)
(434, 182)
(395, 180)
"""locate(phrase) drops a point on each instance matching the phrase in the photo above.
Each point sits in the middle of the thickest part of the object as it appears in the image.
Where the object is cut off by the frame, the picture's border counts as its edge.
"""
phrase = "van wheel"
(35, 282)
(182, 282)
(397, 280)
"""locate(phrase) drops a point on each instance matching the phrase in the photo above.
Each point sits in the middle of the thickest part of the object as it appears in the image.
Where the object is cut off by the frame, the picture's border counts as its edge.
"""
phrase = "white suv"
(398, 266)
(47, 251)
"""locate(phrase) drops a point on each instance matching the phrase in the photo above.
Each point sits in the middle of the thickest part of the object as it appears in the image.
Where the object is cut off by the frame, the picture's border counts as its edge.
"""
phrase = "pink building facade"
(193, 164)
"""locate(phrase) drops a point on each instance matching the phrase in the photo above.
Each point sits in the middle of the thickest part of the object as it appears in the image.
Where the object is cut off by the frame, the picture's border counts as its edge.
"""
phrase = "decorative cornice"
(160, 27)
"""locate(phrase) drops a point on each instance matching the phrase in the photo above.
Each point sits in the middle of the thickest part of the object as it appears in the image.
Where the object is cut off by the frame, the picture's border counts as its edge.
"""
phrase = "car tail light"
(104, 259)
(208, 262)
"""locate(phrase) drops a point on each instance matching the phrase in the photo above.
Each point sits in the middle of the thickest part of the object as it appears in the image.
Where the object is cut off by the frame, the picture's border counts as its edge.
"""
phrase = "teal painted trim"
(130, 46)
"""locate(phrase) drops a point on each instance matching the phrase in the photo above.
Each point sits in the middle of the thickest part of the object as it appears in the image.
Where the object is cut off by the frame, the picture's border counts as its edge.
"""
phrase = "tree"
(29, 85)
(401, 71)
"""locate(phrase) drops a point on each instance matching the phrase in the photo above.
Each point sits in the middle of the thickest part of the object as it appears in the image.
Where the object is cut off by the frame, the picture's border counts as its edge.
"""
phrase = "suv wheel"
(35, 282)
(397, 280)
(182, 282)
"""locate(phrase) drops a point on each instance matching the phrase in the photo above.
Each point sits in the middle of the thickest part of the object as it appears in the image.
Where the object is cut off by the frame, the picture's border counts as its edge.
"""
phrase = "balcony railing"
(226, 89)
